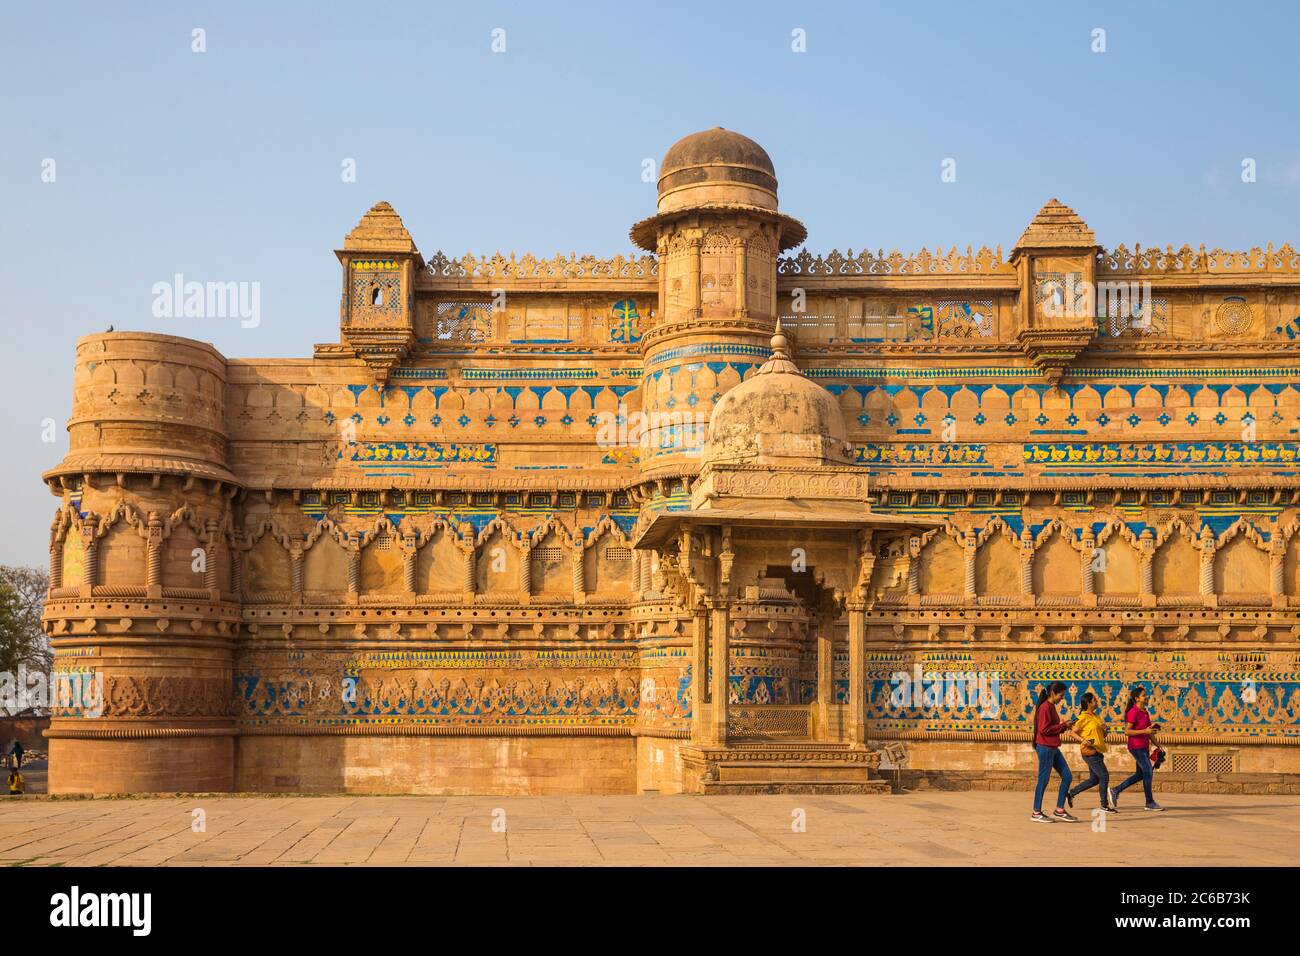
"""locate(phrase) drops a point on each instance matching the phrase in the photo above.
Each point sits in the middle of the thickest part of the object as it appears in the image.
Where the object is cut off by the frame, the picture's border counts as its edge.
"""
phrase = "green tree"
(23, 644)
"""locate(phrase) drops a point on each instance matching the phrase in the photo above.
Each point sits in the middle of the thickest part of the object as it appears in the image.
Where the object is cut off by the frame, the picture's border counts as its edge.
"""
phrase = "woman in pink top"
(1138, 727)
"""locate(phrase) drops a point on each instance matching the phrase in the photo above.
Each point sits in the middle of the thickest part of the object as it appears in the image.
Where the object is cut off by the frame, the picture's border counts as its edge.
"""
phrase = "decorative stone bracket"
(1053, 348)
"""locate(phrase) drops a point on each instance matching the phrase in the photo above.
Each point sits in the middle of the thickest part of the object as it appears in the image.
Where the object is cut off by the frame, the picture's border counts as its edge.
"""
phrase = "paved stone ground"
(922, 828)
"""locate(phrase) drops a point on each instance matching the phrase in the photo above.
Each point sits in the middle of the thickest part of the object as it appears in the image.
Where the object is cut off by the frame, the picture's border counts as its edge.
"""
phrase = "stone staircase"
(798, 766)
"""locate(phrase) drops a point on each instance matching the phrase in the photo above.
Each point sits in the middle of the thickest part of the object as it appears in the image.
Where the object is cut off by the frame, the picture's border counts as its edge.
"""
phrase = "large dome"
(778, 416)
(716, 166)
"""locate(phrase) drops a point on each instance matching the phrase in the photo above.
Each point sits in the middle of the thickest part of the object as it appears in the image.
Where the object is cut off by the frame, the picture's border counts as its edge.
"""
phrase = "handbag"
(1157, 757)
(1086, 749)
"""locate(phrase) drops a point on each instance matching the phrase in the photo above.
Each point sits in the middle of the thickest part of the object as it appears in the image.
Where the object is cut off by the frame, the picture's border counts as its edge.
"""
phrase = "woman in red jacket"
(1048, 728)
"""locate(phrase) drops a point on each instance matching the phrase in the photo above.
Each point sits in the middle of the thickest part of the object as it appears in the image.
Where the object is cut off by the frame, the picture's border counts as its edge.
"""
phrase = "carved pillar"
(699, 672)
(825, 675)
(1147, 543)
(90, 572)
(697, 291)
(969, 545)
(720, 642)
(741, 250)
(354, 569)
(1207, 565)
(857, 712)
(1027, 566)
(410, 556)
(471, 574)
(154, 548)
(1277, 570)
(579, 574)
(211, 555)
(56, 562)
(526, 574)
(1086, 557)
(913, 567)
(236, 567)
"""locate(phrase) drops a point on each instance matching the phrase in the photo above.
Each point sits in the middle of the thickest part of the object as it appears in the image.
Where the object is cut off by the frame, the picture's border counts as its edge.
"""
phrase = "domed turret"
(716, 166)
(777, 416)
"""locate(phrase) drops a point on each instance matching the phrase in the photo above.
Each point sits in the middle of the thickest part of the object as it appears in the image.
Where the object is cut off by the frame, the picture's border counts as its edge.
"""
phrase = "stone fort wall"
(406, 564)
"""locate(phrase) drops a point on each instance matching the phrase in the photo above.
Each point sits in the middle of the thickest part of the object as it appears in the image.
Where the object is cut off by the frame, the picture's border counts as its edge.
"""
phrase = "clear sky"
(226, 165)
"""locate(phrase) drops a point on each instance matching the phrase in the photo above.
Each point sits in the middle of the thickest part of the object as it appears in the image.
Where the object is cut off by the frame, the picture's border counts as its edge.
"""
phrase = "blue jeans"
(1143, 773)
(1097, 777)
(1049, 759)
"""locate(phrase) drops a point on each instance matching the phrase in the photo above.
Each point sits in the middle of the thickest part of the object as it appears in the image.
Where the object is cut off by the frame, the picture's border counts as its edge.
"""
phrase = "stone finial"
(380, 230)
(1056, 226)
(780, 360)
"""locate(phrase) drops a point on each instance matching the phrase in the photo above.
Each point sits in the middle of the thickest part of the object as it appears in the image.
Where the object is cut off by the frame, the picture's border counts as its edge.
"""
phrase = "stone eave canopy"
(793, 232)
(663, 527)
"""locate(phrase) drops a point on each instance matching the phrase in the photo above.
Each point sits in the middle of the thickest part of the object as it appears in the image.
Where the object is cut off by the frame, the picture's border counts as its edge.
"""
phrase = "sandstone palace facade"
(721, 517)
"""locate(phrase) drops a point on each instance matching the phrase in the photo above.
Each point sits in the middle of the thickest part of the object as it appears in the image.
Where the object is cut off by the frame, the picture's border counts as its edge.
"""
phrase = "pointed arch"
(942, 560)
(607, 561)
(1119, 570)
(1176, 565)
(997, 560)
(1056, 567)
(1241, 560)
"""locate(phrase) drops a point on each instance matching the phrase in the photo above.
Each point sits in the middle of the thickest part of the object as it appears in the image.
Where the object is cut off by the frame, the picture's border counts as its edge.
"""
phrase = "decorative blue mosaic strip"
(708, 349)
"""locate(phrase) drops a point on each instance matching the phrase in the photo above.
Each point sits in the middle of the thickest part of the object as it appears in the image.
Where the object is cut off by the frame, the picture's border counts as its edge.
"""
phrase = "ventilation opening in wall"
(618, 554)
(384, 542)
(548, 554)
(1212, 763)
(1185, 763)
(1221, 763)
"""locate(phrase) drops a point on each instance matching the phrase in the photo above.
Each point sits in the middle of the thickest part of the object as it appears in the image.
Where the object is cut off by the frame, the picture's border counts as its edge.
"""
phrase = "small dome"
(778, 415)
(716, 166)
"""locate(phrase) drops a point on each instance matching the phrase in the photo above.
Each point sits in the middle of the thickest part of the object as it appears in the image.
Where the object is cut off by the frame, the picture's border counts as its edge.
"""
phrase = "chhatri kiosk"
(778, 517)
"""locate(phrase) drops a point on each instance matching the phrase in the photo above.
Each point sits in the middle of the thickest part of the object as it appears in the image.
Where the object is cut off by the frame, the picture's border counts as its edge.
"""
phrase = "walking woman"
(1138, 727)
(1048, 727)
(1092, 748)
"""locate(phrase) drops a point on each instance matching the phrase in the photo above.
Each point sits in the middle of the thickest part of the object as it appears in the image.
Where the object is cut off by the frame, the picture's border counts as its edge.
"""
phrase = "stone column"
(970, 549)
(699, 672)
(1277, 571)
(1085, 564)
(1027, 567)
(697, 291)
(525, 574)
(236, 568)
(579, 574)
(1207, 565)
(825, 675)
(410, 556)
(295, 573)
(1147, 542)
(857, 714)
(913, 568)
(471, 572)
(90, 570)
(56, 562)
(212, 554)
(354, 569)
(741, 251)
(720, 642)
(153, 564)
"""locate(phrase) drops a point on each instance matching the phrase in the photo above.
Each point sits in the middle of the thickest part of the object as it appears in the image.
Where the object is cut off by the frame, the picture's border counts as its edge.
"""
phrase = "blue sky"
(225, 165)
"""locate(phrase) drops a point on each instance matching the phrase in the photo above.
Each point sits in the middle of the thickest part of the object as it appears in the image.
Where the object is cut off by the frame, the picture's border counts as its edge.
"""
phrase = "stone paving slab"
(928, 828)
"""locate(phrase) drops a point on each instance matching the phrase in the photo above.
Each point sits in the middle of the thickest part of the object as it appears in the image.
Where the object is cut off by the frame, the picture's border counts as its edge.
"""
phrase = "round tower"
(141, 613)
(717, 235)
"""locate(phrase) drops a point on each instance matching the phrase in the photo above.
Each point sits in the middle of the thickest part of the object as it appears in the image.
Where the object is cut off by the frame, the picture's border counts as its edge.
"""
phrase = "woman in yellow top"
(1092, 747)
